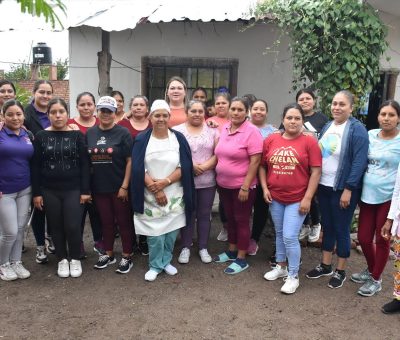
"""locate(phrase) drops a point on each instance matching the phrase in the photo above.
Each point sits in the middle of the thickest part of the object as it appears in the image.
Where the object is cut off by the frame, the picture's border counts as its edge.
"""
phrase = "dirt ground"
(201, 302)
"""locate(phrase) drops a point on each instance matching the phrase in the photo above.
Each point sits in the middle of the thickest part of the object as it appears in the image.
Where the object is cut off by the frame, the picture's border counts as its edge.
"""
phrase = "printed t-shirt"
(288, 163)
(233, 152)
(108, 150)
(82, 128)
(266, 130)
(315, 122)
(15, 154)
(202, 147)
(330, 145)
(383, 161)
(178, 116)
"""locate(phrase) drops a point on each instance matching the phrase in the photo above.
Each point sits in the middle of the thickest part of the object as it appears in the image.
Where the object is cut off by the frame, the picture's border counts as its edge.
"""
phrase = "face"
(176, 92)
(221, 107)
(307, 102)
(86, 106)
(159, 119)
(58, 116)
(200, 95)
(237, 112)
(106, 117)
(139, 108)
(6, 93)
(211, 111)
(120, 103)
(43, 95)
(293, 122)
(196, 114)
(13, 118)
(258, 113)
(388, 118)
(341, 108)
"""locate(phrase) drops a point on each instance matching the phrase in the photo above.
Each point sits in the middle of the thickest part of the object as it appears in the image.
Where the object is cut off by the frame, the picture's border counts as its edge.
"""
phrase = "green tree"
(334, 44)
(23, 71)
(45, 8)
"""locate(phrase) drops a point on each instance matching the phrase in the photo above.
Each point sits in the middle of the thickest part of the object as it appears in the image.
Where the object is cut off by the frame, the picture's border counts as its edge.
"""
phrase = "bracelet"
(126, 189)
(169, 181)
(245, 190)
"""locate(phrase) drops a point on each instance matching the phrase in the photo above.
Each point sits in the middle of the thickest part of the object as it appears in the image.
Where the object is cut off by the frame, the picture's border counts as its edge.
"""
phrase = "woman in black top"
(60, 182)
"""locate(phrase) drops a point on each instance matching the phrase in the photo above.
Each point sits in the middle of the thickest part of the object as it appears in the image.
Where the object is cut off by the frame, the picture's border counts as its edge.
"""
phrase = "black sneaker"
(104, 261)
(125, 265)
(319, 271)
(337, 280)
(143, 248)
(392, 307)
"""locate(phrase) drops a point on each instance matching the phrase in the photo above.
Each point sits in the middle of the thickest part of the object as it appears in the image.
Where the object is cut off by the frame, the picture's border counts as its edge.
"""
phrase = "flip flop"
(223, 257)
(235, 268)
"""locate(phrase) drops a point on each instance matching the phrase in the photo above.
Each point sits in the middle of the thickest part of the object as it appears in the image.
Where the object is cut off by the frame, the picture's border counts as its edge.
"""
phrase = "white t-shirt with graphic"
(330, 145)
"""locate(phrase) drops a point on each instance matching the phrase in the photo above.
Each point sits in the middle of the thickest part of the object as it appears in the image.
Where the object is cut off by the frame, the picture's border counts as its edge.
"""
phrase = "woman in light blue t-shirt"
(377, 190)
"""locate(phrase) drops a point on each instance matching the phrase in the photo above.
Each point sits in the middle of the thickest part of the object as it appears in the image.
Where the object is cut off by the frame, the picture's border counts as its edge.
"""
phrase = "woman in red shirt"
(289, 175)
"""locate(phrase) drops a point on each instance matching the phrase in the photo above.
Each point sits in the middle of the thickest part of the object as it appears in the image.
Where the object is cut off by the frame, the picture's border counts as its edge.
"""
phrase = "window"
(209, 73)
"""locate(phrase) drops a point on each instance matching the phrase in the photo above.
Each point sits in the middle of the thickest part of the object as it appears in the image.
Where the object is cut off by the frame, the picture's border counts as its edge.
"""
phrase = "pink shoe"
(253, 247)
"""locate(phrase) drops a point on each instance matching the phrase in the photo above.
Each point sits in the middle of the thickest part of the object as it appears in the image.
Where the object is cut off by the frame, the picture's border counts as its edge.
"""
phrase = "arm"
(159, 184)
(207, 165)
(84, 167)
(262, 176)
(251, 173)
(123, 190)
(36, 164)
(311, 189)
(394, 205)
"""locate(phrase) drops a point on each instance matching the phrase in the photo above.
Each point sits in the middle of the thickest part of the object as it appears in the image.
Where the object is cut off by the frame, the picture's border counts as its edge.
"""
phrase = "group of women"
(154, 172)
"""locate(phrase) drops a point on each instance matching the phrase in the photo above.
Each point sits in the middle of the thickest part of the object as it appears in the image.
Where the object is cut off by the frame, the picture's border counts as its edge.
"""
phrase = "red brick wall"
(60, 87)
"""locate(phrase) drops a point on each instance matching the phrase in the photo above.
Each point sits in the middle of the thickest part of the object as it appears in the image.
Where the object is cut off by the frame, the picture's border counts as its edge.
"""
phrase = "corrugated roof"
(119, 15)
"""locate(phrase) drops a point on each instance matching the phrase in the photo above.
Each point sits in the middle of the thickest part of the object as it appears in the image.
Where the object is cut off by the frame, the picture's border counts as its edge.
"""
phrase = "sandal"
(223, 257)
(235, 268)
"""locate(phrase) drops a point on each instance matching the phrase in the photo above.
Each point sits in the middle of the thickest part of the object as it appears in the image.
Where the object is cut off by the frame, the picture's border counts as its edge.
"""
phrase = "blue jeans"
(288, 222)
(160, 250)
(335, 220)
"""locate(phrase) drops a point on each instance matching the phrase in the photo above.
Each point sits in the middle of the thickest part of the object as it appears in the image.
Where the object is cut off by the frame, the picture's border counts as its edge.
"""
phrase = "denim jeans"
(14, 214)
(287, 221)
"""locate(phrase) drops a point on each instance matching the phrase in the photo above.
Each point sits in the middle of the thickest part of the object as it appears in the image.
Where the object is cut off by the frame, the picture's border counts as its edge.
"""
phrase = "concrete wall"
(266, 75)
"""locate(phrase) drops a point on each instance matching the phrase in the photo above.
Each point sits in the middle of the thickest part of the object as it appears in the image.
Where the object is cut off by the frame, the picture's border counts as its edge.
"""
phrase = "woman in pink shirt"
(238, 152)
(202, 140)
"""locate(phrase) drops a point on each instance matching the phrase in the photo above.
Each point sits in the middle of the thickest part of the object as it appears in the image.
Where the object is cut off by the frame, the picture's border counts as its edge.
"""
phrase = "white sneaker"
(20, 270)
(184, 256)
(63, 268)
(7, 273)
(205, 256)
(75, 268)
(290, 286)
(304, 232)
(170, 269)
(223, 235)
(276, 273)
(315, 230)
(151, 275)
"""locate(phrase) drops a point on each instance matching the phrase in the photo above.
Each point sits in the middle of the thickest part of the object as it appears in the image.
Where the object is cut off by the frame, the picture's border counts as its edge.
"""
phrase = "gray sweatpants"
(14, 214)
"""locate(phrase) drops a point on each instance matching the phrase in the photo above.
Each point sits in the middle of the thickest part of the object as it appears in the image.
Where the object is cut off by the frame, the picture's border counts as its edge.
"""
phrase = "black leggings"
(314, 216)
(260, 215)
(94, 221)
(39, 227)
(64, 216)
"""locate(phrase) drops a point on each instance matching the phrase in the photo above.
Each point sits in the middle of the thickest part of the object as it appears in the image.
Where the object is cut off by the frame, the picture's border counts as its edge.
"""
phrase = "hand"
(243, 196)
(267, 196)
(212, 124)
(305, 205)
(73, 126)
(157, 185)
(85, 199)
(161, 199)
(345, 199)
(198, 170)
(123, 195)
(38, 202)
(385, 231)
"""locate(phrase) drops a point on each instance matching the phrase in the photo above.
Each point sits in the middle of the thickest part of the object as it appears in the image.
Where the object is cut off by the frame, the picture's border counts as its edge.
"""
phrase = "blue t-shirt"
(383, 161)
(266, 130)
(15, 154)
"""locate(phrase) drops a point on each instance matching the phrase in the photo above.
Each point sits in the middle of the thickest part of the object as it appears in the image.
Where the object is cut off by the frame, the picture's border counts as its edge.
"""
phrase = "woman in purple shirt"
(16, 151)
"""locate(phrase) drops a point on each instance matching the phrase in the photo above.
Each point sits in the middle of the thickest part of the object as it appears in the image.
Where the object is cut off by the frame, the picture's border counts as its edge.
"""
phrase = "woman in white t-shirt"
(344, 147)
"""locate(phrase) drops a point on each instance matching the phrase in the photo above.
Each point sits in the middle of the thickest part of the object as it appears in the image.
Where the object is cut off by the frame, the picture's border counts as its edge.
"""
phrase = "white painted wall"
(267, 76)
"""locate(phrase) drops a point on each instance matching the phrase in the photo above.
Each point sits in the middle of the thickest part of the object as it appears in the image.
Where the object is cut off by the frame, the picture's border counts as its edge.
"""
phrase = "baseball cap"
(107, 102)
